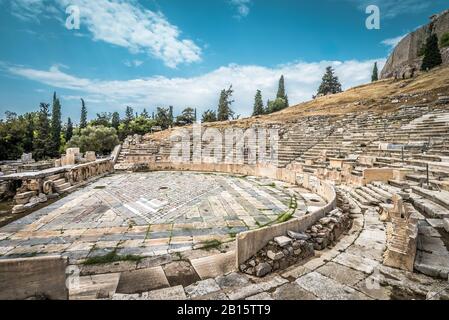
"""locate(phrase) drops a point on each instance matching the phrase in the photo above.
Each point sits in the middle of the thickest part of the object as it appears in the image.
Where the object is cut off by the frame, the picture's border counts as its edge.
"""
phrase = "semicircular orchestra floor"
(154, 213)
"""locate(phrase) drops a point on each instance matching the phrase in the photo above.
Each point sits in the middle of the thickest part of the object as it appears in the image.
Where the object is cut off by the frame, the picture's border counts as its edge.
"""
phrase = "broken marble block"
(298, 235)
(283, 241)
(263, 269)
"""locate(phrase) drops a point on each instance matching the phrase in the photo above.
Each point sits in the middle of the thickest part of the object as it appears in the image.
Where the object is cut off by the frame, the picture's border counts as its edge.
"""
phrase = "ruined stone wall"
(406, 54)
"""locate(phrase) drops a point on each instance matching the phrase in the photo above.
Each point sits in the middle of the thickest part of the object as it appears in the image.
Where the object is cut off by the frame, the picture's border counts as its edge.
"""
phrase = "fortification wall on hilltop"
(405, 57)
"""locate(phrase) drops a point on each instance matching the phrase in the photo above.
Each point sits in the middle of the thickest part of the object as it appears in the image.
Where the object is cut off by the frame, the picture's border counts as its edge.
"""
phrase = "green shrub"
(444, 41)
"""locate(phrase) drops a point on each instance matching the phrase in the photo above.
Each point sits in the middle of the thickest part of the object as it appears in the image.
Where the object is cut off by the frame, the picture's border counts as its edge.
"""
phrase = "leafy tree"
(163, 117)
(115, 121)
(100, 139)
(330, 83)
(186, 117)
(55, 126)
(42, 142)
(103, 119)
(276, 105)
(83, 120)
(139, 125)
(209, 116)
(258, 104)
(375, 75)
(432, 55)
(13, 134)
(224, 112)
(69, 130)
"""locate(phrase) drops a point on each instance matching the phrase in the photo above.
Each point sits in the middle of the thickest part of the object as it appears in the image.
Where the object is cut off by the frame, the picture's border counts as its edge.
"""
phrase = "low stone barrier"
(250, 242)
(42, 278)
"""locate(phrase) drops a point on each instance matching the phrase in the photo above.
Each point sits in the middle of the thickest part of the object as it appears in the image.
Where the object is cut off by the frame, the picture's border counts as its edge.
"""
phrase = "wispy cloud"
(242, 7)
(302, 81)
(133, 63)
(124, 23)
(392, 8)
(393, 42)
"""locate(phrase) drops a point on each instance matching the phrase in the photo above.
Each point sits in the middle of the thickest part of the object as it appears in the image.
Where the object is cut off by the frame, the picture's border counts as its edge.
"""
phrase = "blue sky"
(151, 53)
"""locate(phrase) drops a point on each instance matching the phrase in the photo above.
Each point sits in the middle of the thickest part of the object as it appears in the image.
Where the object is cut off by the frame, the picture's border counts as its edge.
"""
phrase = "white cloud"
(393, 42)
(124, 23)
(242, 7)
(302, 80)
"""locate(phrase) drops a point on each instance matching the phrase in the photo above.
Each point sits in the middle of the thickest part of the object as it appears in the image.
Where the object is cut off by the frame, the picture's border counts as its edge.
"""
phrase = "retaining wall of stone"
(250, 242)
(42, 277)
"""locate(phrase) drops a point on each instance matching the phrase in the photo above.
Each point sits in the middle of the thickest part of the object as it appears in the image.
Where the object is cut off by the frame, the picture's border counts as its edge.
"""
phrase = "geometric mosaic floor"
(149, 214)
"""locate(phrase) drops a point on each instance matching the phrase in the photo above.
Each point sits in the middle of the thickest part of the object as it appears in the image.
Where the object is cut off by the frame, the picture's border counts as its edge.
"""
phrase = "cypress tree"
(224, 112)
(69, 130)
(56, 126)
(432, 54)
(115, 121)
(330, 83)
(83, 120)
(171, 118)
(375, 75)
(129, 115)
(258, 104)
(281, 88)
(281, 97)
(42, 142)
(29, 133)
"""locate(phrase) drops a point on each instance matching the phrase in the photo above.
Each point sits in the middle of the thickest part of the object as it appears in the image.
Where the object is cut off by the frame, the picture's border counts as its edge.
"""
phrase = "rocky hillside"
(408, 53)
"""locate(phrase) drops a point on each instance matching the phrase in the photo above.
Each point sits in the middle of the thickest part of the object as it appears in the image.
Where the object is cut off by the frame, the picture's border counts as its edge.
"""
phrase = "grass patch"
(283, 217)
(110, 258)
(100, 187)
(210, 244)
(147, 235)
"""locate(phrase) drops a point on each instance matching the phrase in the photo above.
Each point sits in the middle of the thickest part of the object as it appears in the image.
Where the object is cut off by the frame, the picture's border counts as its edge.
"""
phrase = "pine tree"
(330, 83)
(42, 141)
(83, 120)
(145, 113)
(258, 104)
(55, 126)
(432, 54)
(115, 121)
(69, 130)
(224, 112)
(375, 75)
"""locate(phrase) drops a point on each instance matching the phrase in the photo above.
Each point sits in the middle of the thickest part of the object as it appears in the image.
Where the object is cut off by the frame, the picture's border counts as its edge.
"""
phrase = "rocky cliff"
(407, 56)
